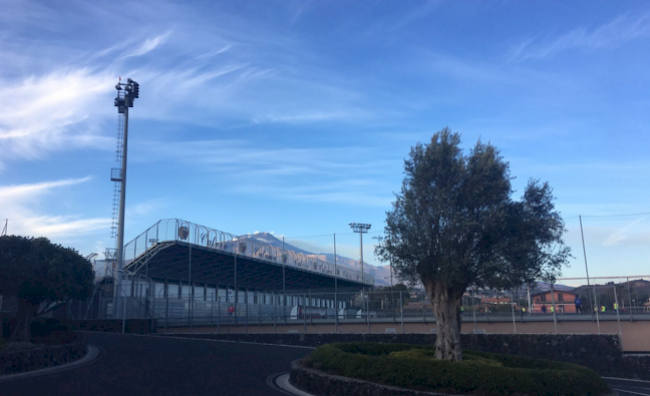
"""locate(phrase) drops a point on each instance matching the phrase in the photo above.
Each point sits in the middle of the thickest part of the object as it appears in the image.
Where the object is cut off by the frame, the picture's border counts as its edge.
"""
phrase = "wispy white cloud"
(326, 174)
(424, 9)
(149, 45)
(46, 113)
(21, 204)
(302, 118)
(624, 233)
(148, 207)
(620, 30)
(26, 192)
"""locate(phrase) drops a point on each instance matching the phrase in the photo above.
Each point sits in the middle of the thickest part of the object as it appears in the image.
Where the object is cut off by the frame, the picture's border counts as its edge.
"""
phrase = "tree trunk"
(24, 316)
(446, 307)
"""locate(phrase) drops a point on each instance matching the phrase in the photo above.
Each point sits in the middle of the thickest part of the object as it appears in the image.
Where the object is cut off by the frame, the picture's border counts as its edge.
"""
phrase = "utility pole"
(126, 95)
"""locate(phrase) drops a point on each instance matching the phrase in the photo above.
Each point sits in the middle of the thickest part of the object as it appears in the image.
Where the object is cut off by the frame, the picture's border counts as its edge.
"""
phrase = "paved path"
(138, 365)
(142, 366)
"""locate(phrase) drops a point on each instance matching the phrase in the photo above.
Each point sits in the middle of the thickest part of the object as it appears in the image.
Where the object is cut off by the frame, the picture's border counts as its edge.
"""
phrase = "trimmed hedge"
(480, 373)
(44, 331)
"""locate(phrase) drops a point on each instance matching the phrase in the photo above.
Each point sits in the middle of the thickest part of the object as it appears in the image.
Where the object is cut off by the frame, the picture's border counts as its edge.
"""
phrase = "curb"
(91, 354)
(283, 382)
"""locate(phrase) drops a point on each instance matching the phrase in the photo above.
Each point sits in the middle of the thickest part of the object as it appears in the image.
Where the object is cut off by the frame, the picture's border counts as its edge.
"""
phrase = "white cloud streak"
(622, 29)
(21, 205)
(44, 114)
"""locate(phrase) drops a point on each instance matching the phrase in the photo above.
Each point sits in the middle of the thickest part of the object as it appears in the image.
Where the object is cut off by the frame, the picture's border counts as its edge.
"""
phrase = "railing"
(185, 231)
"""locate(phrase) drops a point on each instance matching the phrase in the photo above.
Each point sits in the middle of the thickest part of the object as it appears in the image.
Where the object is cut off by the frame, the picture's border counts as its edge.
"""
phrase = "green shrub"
(430, 354)
(45, 331)
(411, 366)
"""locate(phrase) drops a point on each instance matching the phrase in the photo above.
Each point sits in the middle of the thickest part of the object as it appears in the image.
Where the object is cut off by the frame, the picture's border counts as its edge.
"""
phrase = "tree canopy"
(42, 276)
(455, 225)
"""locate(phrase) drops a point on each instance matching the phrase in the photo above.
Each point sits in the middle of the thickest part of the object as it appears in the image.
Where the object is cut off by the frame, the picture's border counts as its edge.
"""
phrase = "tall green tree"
(455, 225)
(42, 277)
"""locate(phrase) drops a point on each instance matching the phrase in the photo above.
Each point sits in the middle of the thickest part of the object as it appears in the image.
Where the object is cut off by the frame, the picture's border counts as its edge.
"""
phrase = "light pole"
(126, 95)
(361, 229)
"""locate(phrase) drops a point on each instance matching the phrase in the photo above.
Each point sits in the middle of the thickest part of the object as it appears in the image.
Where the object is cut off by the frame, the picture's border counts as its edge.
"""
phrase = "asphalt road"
(141, 365)
(138, 365)
(629, 388)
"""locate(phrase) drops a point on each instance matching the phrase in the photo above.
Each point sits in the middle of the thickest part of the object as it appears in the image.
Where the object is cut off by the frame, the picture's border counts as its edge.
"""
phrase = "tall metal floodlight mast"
(360, 228)
(126, 95)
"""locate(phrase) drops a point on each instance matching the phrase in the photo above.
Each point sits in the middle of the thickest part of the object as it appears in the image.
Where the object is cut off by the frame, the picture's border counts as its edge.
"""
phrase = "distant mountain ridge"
(380, 273)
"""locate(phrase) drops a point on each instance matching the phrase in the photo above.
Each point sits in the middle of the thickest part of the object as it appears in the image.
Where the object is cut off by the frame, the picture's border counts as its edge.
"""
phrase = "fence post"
(218, 313)
(401, 310)
(596, 308)
(629, 294)
(214, 300)
(367, 307)
(124, 312)
(311, 319)
(618, 318)
(275, 313)
(259, 306)
(246, 308)
(514, 318)
(474, 307)
(336, 311)
(392, 303)
(554, 310)
(191, 306)
(166, 303)
(304, 313)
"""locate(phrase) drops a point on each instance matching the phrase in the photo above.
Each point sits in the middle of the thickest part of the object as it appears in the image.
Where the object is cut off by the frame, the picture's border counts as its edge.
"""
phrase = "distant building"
(495, 300)
(564, 301)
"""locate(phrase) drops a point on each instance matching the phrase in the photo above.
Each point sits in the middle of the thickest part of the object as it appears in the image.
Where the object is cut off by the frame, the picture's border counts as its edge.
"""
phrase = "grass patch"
(480, 373)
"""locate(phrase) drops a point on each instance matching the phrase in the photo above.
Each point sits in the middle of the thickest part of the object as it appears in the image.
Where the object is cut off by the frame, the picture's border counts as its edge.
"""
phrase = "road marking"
(207, 339)
(627, 391)
(625, 379)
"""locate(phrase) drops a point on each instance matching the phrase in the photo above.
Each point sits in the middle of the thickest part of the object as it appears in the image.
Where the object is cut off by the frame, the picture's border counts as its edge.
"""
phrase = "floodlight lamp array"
(360, 227)
(126, 94)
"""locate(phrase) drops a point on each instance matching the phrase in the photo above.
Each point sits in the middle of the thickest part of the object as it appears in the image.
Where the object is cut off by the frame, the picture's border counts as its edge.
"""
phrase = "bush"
(44, 331)
(412, 366)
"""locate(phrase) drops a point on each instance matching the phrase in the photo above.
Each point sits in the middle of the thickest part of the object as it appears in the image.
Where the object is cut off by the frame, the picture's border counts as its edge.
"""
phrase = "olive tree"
(42, 277)
(455, 225)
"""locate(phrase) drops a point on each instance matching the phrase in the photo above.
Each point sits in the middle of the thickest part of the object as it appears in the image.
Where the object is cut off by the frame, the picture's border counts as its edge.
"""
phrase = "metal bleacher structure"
(183, 273)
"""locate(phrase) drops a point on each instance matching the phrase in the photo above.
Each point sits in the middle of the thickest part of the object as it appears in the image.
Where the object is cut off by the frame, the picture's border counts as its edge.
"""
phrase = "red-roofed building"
(564, 301)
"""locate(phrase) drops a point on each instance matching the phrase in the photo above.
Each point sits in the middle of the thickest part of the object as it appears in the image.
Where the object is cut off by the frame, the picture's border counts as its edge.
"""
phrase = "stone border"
(319, 383)
(40, 358)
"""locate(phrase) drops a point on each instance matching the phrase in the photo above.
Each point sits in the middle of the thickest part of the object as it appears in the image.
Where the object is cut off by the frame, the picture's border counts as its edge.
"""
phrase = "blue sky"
(295, 116)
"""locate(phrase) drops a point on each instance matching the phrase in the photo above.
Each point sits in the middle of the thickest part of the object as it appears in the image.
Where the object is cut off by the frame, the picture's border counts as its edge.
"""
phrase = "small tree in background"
(42, 277)
(454, 225)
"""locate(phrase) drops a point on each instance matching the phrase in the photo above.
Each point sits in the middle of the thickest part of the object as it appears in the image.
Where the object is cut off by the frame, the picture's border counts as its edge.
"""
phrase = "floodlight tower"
(360, 228)
(126, 95)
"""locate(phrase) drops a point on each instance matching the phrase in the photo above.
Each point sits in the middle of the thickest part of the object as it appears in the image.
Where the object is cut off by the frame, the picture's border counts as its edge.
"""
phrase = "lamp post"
(361, 229)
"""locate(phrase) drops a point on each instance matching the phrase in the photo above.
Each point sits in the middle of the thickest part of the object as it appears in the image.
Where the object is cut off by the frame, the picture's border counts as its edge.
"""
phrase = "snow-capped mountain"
(380, 273)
